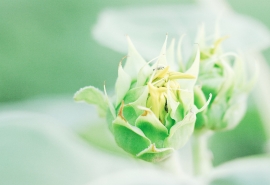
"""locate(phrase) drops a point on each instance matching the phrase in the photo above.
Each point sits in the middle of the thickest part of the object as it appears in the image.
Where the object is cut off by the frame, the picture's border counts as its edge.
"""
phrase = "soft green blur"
(46, 47)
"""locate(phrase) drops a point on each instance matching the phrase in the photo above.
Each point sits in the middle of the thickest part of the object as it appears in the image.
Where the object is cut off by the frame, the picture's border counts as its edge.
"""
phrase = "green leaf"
(128, 137)
(144, 176)
(248, 171)
(152, 127)
(94, 96)
(36, 150)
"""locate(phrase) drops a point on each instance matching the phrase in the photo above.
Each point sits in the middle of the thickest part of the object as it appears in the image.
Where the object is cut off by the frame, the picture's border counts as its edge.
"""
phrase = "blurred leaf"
(245, 33)
(144, 177)
(248, 171)
(34, 150)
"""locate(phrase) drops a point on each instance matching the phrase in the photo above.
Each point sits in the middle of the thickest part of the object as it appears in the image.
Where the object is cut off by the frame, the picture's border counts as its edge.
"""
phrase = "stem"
(202, 158)
(172, 164)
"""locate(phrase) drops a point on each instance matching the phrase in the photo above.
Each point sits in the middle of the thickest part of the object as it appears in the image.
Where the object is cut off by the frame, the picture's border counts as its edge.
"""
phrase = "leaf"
(94, 96)
(248, 171)
(144, 177)
(36, 150)
(179, 19)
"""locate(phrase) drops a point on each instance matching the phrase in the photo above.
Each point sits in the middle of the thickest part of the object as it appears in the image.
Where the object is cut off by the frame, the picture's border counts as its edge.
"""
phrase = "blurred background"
(46, 49)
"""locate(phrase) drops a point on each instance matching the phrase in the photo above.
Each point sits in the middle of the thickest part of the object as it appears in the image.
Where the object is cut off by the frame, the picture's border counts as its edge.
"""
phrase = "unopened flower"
(153, 112)
(225, 76)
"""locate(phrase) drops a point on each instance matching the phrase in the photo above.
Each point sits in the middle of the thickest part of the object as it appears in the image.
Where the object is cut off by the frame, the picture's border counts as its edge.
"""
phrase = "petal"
(181, 132)
(129, 137)
(94, 96)
(134, 61)
(152, 127)
(153, 154)
(171, 55)
(122, 85)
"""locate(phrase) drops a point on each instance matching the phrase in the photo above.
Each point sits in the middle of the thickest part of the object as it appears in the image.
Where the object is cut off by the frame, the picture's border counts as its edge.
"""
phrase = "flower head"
(153, 112)
(225, 76)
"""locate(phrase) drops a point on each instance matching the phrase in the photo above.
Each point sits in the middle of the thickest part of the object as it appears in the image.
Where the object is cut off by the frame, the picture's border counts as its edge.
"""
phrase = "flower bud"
(153, 112)
(223, 75)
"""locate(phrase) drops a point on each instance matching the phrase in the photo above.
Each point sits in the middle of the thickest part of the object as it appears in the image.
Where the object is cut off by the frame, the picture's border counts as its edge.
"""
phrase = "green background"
(46, 47)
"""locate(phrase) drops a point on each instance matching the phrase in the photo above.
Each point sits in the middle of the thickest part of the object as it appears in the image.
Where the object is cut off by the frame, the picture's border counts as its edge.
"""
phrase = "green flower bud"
(223, 75)
(153, 112)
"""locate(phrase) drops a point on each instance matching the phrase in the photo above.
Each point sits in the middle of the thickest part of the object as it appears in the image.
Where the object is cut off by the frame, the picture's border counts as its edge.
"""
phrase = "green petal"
(152, 127)
(194, 71)
(94, 96)
(199, 101)
(153, 154)
(162, 60)
(134, 61)
(134, 94)
(228, 83)
(181, 131)
(128, 137)
(173, 106)
(141, 101)
(235, 111)
(122, 85)
(179, 55)
(111, 107)
(171, 55)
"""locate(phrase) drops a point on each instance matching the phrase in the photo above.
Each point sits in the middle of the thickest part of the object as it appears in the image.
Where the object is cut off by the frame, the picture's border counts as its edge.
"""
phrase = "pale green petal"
(134, 61)
(94, 96)
(153, 154)
(201, 36)
(181, 131)
(172, 105)
(141, 101)
(143, 75)
(162, 60)
(133, 94)
(193, 70)
(227, 84)
(170, 54)
(110, 105)
(179, 54)
(122, 85)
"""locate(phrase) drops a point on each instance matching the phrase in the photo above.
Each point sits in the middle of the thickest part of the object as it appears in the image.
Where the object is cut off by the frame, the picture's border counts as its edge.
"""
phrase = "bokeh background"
(46, 50)
(46, 47)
